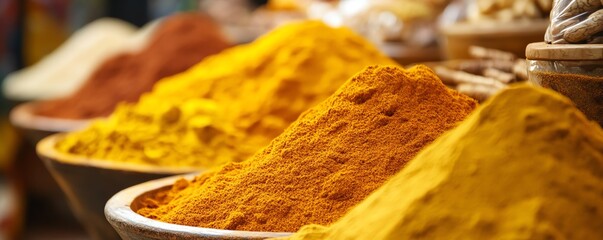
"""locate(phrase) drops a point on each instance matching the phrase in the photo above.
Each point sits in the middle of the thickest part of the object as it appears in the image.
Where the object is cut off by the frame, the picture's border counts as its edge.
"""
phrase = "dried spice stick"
(488, 53)
(477, 91)
(477, 67)
(499, 75)
(458, 77)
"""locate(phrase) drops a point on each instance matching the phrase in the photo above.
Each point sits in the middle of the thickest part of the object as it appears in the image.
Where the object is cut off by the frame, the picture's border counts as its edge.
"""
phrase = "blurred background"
(410, 31)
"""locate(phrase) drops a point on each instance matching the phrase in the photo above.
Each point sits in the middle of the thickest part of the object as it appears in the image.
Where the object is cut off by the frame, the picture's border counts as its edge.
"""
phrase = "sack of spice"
(576, 21)
(526, 165)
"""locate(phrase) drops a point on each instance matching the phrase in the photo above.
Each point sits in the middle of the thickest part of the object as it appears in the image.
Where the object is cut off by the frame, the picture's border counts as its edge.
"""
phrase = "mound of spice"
(54, 76)
(584, 90)
(181, 41)
(327, 161)
(231, 104)
(526, 165)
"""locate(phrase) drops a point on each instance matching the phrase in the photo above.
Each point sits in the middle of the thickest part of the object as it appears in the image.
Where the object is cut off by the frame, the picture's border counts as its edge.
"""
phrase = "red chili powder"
(180, 41)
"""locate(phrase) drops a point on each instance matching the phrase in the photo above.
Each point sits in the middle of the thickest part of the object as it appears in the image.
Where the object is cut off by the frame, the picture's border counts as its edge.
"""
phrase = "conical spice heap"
(327, 161)
(526, 165)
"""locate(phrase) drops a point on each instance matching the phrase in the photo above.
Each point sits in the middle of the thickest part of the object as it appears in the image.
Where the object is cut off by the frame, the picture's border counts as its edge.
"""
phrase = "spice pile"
(55, 75)
(179, 42)
(491, 71)
(231, 104)
(584, 90)
(526, 165)
(327, 161)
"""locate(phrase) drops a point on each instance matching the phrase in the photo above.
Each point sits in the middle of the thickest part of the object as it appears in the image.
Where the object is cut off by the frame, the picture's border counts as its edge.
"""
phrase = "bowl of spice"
(36, 127)
(121, 210)
(328, 160)
(89, 183)
(574, 70)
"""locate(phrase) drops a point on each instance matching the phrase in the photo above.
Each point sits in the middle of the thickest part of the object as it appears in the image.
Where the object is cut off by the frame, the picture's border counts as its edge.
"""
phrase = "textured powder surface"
(526, 165)
(181, 41)
(585, 91)
(327, 161)
(231, 104)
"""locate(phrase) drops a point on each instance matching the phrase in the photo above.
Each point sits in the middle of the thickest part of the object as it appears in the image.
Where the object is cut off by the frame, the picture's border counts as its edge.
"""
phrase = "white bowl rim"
(23, 116)
(46, 149)
(118, 209)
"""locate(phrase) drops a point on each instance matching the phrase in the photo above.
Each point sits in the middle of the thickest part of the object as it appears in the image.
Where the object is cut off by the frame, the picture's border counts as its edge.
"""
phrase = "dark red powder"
(180, 41)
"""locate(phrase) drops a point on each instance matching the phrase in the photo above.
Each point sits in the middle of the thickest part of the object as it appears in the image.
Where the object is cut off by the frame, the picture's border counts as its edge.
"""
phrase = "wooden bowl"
(36, 127)
(511, 37)
(120, 211)
(404, 54)
(89, 183)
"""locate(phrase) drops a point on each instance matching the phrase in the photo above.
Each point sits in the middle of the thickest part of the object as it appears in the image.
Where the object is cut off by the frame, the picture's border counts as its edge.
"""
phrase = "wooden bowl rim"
(118, 211)
(564, 52)
(493, 29)
(46, 150)
(23, 116)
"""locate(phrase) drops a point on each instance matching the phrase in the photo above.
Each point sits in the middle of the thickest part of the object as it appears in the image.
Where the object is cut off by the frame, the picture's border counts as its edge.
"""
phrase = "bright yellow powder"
(526, 165)
(230, 105)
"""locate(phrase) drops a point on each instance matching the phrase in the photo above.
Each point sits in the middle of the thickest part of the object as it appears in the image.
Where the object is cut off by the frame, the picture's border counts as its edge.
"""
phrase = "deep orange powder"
(327, 161)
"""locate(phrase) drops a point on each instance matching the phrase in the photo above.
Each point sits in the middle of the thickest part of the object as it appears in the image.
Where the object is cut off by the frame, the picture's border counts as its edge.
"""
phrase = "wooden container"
(120, 211)
(574, 70)
(89, 183)
(511, 37)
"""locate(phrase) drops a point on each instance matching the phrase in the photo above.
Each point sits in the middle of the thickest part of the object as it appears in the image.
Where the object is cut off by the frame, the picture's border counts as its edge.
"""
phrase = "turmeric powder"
(526, 165)
(327, 161)
(231, 104)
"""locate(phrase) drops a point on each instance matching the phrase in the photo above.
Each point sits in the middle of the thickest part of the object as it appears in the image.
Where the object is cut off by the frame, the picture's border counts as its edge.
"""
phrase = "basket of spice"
(324, 163)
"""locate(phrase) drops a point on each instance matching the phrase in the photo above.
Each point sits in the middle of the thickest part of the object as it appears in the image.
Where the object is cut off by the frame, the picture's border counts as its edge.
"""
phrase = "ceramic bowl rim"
(46, 150)
(23, 116)
(118, 210)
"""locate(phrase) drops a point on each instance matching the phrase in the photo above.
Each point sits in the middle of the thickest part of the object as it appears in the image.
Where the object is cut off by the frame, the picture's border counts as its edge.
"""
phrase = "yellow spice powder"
(526, 165)
(231, 104)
